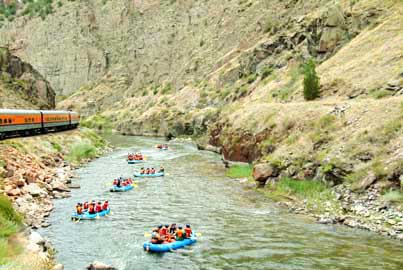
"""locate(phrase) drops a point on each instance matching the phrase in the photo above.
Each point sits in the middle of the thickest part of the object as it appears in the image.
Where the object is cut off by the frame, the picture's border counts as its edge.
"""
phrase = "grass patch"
(80, 151)
(239, 171)
(315, 193)
(99, 122)
(393, 196)
(380, 93)
(10, 223)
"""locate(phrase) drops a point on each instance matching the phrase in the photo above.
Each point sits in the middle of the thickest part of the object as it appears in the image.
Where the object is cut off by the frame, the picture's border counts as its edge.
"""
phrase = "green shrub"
(98, 122)
(251, 78)
(80, 151)
(10, 220)
(393, 196)
(311, 81)
(239, 171)
(266, 72)
(380, 93)
(57, 146)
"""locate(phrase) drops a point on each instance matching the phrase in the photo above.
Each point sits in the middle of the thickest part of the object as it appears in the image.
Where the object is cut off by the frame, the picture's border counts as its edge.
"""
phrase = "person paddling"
(156, 237)
(161, 169)
(180, 234)
(85, 206)
(91, 208)
(98, 207)
(105, 206)
(79, 209)
(188, 231)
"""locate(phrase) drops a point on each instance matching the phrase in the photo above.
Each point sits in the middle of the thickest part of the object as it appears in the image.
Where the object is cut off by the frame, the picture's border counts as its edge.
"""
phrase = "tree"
(311, 81)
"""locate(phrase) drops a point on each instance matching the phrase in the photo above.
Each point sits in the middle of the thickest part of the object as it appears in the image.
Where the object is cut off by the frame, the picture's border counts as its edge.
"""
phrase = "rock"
(20, 182)
(261, 172)
(14, 192)
(367, 181)
(34, 190)
(73, 186)
(58, 267)
(36, 238)
(10, 171)
(335, 17)
(100, 266)
(59, 186)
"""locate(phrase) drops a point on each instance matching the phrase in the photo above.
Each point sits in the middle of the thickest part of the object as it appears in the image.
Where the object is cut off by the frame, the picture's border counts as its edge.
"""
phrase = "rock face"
(20, 79)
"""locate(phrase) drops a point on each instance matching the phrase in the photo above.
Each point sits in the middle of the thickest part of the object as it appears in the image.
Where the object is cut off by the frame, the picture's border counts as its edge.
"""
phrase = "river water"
(241, 229)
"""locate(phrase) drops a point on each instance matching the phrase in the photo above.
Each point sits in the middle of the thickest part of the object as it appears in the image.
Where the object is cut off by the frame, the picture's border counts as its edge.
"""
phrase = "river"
(241, 229)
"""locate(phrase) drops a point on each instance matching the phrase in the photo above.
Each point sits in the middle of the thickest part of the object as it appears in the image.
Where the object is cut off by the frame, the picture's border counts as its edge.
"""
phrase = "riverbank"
(33, 172)
(368, 209)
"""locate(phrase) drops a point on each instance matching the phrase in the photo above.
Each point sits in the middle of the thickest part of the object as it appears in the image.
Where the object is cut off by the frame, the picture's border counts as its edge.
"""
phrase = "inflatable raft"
(88, 216)
(149, 175)
(135, 161)
(121, 188)
(160, 248)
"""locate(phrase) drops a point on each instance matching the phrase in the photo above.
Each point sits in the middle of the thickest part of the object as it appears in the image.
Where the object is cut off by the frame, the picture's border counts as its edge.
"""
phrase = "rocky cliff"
(21, 86)
(229, 72)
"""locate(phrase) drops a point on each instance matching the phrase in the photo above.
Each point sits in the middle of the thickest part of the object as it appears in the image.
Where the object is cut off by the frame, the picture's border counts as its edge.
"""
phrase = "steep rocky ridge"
(21, 86)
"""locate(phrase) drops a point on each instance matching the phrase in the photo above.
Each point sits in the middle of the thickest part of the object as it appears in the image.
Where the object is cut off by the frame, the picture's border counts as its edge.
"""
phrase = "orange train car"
(31, 122)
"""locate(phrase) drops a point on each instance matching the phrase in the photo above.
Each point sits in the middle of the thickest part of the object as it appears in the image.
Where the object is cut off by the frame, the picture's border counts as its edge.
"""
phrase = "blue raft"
(160, 248)
(121, 188)
(135, 161)
(149, 175)
(88, 216)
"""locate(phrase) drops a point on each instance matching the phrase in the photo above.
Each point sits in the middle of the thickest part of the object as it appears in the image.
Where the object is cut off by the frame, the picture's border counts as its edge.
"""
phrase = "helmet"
(187, 225)
(160, 226)
(166, 225)
(180, 227)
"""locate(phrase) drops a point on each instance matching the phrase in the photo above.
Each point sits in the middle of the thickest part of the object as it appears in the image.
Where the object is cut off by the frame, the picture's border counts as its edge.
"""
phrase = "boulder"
(36, 238)
(59, 186)
(34, 190)
(261, 172)
(366, 182)
(100, 266)
(73, 186)
(58, 267)
(14, 192)
(20, 182)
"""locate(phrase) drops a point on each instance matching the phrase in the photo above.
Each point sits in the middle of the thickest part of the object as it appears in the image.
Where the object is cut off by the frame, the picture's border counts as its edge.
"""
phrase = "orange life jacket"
(79, 209)
(179, 233)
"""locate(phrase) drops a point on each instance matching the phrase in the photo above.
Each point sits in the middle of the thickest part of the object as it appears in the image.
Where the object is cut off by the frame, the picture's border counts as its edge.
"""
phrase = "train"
(33, 122)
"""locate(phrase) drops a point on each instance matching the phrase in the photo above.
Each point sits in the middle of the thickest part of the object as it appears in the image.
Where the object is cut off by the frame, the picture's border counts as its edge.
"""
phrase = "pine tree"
(311, 81)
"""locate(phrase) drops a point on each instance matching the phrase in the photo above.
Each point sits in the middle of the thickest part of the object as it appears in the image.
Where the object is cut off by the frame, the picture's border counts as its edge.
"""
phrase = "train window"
(9, 120)
(1, 121)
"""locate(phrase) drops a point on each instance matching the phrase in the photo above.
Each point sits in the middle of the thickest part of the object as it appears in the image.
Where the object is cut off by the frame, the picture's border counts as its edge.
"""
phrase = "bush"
(239, 171)
(393, 196)
(10, 220)
(311, 81)
(251, 78)
(266, 72)
(80, 151)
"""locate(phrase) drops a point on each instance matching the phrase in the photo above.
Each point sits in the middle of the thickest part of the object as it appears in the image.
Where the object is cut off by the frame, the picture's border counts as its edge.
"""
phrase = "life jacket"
(152, 171)
(163, 231)
(85, 205)
(148, 171)
(115, 182)
(98, 208)
(124, 184)
(91, 208)
(105, 206)
(79, 209)
(188, 232)
(179, 234)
